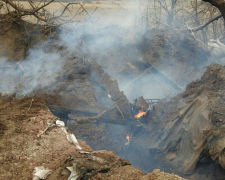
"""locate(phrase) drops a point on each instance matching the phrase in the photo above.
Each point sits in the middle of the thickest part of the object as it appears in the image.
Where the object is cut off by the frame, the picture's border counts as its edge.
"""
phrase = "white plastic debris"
(84, 152)
(216, 48)
(60, 123)
(73, 175)
(40, 173)
(64, 130)
(74, 172)
(72, 139)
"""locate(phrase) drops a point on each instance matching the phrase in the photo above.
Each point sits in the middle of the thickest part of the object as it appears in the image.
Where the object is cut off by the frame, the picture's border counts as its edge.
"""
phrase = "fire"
(128, 137)
(140, 113)
(128, 140)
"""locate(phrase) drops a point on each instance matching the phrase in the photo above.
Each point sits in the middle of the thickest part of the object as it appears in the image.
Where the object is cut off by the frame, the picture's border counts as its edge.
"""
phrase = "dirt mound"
(176, 54)
(22, 150)
(18, 36)
(177, 59)
(191, 126)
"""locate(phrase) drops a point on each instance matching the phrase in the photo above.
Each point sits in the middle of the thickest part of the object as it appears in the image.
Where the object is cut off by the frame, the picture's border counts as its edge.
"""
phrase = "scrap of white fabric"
(40, 173)
(71, 138)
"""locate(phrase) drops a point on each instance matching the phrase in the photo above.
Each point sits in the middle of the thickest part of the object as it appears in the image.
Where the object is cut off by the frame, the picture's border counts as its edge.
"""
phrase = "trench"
(112, 136)
(111, 131)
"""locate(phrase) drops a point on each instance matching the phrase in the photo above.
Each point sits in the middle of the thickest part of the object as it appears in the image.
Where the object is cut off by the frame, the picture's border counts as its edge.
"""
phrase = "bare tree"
(171, 12)
(220, 4)
(39, 11)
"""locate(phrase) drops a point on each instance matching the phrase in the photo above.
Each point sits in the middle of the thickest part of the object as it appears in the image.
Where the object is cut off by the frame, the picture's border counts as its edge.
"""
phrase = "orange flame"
(128, 137)
(140, 113)
(128, 140)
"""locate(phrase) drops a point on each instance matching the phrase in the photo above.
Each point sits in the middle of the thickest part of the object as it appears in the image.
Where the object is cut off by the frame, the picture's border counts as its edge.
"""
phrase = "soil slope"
(22, 150)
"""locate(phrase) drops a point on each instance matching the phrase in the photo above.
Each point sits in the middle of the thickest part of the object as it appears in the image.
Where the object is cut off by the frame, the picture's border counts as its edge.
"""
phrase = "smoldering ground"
(114, 40)
(125, 51)
(37, 70)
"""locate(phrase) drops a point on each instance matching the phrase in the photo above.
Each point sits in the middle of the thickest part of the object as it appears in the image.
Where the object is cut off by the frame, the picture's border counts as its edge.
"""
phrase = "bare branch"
(31, 4)
(43, 6)
(206, 24)
(66, 8)
(13, 5)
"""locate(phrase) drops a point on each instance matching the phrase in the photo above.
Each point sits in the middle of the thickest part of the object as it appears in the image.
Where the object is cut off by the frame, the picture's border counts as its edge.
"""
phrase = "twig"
(201, 42)
(99, 115)
(137, 77)
(66, 8)
(36, 10)
(30, 105)
(49, 125)
(5, 19)
(26, 30)
(83, 119)
(119, 110)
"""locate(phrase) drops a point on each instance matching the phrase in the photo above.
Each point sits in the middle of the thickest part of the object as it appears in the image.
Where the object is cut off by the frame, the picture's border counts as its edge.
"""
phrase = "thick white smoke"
(107, 35)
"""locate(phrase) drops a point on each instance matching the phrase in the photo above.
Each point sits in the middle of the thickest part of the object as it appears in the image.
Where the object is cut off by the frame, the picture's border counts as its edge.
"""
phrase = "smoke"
(8, 78)
(113, 38)
(115, 42)
(38, 71)
(118, 39)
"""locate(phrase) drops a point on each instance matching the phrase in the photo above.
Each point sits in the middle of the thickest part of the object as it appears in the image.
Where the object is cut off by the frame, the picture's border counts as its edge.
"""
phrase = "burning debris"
(141, 106)
(140, 114)
(141, 103)
(128, 140)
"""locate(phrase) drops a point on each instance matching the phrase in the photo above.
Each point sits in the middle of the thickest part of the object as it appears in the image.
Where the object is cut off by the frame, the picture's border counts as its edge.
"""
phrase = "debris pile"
(190, 127)
(164, 59)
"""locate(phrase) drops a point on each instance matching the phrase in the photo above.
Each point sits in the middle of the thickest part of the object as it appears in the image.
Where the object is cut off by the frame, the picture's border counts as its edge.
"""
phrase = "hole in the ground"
(126, 140)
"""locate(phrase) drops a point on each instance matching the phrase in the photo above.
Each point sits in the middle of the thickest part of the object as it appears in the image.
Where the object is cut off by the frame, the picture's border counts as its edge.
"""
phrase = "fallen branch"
(119, 110)
(138, 77)
(49, 125)
(86, 119)
(98, 116)
(206, 24)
